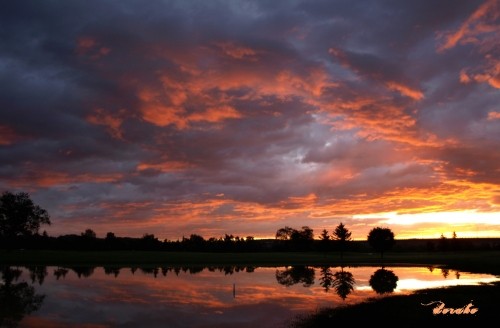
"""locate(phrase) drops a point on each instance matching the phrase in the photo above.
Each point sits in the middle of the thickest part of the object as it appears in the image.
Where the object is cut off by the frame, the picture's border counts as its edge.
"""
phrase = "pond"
(227, 296)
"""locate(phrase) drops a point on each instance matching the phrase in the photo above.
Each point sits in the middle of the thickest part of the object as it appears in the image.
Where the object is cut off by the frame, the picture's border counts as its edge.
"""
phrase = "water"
(200, 297)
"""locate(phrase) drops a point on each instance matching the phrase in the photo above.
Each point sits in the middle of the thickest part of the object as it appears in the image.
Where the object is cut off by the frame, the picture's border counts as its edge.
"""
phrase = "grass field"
(473, 261)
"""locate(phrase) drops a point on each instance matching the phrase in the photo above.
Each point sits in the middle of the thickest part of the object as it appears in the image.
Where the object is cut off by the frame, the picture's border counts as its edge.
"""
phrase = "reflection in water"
(295, 275)
(85, 272)
(383, 281)
(198, 297)
(18, 299)
(37, 273)
(325, 278)
(115, 271)
(60, 272)
(343, 283)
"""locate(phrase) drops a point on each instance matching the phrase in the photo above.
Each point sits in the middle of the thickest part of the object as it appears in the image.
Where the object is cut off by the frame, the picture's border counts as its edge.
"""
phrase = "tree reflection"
(60, 272)
(325, 278)
(343, 283)
(147, 270)
(295, 275)
(83, 271)
(37, 273)
(115, 271)
(383, 281)
(16, 299)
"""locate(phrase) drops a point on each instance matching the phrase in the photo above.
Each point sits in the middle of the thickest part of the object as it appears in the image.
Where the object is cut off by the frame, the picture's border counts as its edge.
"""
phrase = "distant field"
(474, 261)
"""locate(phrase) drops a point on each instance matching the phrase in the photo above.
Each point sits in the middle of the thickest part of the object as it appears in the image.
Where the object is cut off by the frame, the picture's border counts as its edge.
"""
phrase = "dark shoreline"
(471, 261)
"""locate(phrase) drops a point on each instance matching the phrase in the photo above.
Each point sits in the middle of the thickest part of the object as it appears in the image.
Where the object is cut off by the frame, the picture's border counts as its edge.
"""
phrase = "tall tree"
(324, 235)
(302, 239)
(381, 239)
(284, 233)
(19, 216)
(325, 240)
(342, 235)
(304, 234)
(89, 233)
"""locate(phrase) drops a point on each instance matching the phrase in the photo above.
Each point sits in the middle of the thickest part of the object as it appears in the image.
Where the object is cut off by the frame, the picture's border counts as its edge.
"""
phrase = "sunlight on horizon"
(467, 224)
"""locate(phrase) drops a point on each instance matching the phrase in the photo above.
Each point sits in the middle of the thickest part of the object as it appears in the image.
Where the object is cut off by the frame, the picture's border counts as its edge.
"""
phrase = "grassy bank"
(409, 311)
(474, 261)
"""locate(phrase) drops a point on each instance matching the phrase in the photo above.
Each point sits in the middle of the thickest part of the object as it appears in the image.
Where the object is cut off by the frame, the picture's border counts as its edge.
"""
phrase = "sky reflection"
(123, 297)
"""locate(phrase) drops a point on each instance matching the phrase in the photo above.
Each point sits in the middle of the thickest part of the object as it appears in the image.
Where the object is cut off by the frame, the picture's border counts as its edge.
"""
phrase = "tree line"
(21, 220)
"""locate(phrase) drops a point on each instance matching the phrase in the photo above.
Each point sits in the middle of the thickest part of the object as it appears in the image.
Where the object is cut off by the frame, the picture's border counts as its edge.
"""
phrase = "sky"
(242, 117)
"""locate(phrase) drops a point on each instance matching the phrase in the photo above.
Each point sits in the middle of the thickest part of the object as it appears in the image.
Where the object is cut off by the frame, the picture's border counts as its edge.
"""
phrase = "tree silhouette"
(342, 235)
(19, 216)
(383, 281)
(381, 239)
(284, 233)
(89, 233)
(343, 283)
(298, 239)
(325, 240)
(16, 299)
(110, 236)
(305, 234)
(443, 243)
(294, 275)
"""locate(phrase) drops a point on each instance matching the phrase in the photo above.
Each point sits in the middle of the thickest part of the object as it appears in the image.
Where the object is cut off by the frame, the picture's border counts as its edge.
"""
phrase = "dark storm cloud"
(122, 113)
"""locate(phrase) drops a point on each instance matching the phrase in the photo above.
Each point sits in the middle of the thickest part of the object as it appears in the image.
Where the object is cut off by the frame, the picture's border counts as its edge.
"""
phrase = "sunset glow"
(242, 117)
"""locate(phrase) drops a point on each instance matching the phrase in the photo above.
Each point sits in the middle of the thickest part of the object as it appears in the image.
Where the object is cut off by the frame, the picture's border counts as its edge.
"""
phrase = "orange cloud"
(481, 29)
(190, 98)
(489, 73)
(238, 52)
(493, 116)
(215, 114)
(167, 166)
(376, 117)
(258, 76)
(161, 115)
(464, 77)
(405, 90)
(475, 25)
(45, 179)
(111, 122)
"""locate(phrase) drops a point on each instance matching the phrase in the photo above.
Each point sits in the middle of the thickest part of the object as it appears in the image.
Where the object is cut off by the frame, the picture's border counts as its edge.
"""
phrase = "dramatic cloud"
(241, 117)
